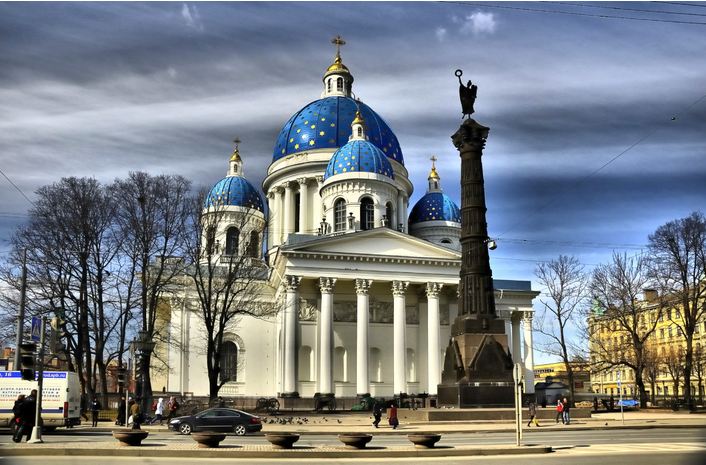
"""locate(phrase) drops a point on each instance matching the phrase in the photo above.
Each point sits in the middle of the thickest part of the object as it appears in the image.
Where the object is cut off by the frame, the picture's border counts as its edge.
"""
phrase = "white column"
(304, 226)
(288, 211)
(271, 205)
(516, 353)
(433, 326)
(529, 353)
(279, 200)
(399, 349)
(400, 212)
(326, 336)
(291, 313)
(362, 286)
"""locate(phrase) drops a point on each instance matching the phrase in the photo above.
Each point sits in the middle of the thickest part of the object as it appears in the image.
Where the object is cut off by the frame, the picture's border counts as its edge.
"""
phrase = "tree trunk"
(640, 383)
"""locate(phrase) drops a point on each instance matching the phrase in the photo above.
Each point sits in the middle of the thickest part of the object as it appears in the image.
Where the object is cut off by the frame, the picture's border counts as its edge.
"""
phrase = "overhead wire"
(16, 187)
(585, 5)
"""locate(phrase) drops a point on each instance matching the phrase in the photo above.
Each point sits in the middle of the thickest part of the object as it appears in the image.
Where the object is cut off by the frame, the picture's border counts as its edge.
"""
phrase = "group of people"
(137, 418)
(392, 419)
(563, 407)
(24, 413)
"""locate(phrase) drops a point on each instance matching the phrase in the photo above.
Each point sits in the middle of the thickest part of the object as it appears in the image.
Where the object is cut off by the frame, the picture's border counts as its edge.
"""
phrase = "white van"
(61, 397)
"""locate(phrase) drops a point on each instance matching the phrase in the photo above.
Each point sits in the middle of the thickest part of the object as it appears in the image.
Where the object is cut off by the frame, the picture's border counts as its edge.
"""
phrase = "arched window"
(411, 366)
(210, 240)
(306, 362)
(340, 365)
(254, 245)
(446, 241)
(339, 215)
(339, 84)
(232, 238)
(367, 214)
(360, 131)
(375, 372)
(328, 85)
(389, 213)
(229, 361)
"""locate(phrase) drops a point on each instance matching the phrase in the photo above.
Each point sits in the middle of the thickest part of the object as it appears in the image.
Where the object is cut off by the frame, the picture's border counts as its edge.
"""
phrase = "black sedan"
(217, 419)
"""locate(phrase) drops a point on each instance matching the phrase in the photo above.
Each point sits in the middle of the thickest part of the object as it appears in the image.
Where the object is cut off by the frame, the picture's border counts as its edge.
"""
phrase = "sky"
(597, 124)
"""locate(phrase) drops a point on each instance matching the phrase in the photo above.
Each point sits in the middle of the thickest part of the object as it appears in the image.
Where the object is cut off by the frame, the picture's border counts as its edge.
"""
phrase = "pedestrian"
(83, 406)
(392, 416)
(566, 418)
(544, 401)
(17, 415)
(136, 414)
(172, 405)
(221, 403)
(158, 412)
(611, 403)
(377, 413)
(595, 403)
(533, 414)
(95, 409)
(27, 411)
(120, 421)
(559, 411)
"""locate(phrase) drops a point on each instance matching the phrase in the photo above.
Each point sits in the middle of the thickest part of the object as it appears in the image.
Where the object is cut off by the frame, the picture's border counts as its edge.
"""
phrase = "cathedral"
(366, 286)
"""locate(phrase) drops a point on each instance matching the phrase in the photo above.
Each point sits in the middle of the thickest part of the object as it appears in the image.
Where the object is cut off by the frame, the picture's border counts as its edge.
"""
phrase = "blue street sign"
(36, 328)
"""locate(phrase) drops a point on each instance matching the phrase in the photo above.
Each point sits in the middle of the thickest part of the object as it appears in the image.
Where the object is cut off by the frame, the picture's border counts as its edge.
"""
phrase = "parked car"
(217, 419)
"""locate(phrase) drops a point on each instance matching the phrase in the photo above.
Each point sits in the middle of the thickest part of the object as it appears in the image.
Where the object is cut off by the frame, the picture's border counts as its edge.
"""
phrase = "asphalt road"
(614, 447)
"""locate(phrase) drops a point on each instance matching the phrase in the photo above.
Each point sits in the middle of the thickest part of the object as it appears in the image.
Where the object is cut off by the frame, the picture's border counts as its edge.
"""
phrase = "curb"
(235, 452)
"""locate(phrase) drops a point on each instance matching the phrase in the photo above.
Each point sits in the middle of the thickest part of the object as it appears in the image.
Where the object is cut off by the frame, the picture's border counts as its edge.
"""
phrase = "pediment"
(381, 242)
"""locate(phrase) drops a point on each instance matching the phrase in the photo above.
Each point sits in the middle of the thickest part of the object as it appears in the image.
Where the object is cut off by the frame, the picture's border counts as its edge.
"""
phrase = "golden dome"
(433, 174)
(337, 65)
(358, 118)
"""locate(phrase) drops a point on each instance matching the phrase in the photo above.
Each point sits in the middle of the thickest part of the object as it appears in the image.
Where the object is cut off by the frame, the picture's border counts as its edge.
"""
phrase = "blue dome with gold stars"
(435, 206)
(234, 191)
(359, 156)
(326, 123)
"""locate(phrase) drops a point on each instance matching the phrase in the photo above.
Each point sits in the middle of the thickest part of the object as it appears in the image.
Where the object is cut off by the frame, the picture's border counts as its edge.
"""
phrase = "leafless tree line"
(618, 307)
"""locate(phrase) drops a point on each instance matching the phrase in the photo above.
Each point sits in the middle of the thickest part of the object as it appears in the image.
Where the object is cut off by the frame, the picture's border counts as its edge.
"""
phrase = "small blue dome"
(359, 156)
(435, 206)
(234, 191)
(326, 123)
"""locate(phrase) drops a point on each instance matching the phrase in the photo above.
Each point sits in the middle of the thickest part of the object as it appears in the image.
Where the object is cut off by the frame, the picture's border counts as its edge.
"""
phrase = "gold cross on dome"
(338, 41)
(237, 142)
(433, 160)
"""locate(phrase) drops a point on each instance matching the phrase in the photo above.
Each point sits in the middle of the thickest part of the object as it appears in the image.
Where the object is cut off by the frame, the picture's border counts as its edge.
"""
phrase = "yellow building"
(556, 371)
(665, 349)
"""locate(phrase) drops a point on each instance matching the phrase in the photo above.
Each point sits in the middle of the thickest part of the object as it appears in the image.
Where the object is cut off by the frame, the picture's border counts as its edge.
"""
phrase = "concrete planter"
(282, 440)
(130, 437)
(355, 440)
(424, 440)
(208, 439)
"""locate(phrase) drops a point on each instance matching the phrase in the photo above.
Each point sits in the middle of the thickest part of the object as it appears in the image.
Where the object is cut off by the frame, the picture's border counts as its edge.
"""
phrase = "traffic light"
(27, 359)
(122, 377)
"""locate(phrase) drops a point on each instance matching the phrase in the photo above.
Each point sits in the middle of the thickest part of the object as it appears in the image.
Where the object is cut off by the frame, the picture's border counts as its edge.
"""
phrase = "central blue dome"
(359, 156)
(435, 206)
(234, 191)
(326, 123)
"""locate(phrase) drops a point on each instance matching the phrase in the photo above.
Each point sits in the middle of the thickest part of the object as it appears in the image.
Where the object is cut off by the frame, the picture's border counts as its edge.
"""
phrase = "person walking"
(136, 414)
(27, 411)
(566, 418)
(533, 414)
(559, 411)
(158, 412)
(377, 413)
(172, 405)
(392, 416)
(95, 409)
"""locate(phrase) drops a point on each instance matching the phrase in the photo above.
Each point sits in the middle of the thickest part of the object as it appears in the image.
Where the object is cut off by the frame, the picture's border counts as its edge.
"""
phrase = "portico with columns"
(371, 322)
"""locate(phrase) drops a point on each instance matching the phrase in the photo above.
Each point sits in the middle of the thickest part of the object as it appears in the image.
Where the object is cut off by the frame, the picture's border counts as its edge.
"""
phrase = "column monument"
(477, 367)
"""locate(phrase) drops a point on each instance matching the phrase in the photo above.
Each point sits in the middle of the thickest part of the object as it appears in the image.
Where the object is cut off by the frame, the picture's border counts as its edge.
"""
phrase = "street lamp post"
(142, 346)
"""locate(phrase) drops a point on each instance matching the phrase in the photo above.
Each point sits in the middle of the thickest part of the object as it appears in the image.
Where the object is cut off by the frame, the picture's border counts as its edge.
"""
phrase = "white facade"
(364, 308)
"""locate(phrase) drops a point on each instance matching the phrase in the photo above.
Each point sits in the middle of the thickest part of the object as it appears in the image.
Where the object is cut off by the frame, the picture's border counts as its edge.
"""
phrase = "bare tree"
(228, 275)
(152, 216)
(622, 318)
(566, 285)
(674, 364)
(700, 369)
(678, 259)
(653, 362)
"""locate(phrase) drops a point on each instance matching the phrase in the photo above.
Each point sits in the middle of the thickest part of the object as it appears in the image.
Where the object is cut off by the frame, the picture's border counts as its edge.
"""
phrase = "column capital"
(326, 285)
(292, 282)
(278, 189)
(399, 287)
(271, 193)
(527, 316)
(319, 179)
(362, 286)
(302, 181)
(433, 289)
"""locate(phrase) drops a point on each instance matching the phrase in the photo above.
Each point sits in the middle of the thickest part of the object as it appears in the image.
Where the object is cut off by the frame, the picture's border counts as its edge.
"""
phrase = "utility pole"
(517, 377)
(21, 314)
(37, 430)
